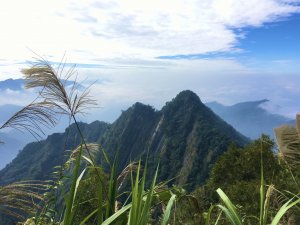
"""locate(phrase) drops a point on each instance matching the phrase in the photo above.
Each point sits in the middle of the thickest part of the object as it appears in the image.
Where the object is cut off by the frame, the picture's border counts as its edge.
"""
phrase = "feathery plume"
(288, 140)
(53, 83)
(32, 118)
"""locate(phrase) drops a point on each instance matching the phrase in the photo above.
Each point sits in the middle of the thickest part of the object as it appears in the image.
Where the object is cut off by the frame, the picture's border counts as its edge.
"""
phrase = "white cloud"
(252, 13)
(226, 81)
(126, 36)
(12, 97)
(129, 28)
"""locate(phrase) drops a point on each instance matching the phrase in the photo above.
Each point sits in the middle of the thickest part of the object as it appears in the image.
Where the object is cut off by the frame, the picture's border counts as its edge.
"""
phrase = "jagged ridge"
(185, 136)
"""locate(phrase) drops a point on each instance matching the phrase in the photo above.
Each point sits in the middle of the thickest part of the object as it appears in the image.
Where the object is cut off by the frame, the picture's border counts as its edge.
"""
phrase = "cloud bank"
(139, 29)
(132, 47)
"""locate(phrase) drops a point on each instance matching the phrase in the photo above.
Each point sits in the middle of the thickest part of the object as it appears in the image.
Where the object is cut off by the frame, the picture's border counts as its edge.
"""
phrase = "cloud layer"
(120, 43)
(93, 30)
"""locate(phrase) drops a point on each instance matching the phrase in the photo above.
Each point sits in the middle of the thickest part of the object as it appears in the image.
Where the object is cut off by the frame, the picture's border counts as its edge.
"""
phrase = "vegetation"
(186, 146)
(246, 185)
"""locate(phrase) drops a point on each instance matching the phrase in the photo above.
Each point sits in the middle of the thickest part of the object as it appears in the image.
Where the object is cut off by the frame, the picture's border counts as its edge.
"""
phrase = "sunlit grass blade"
(135, 200)
(112, 189)
(230, 211)
(218, 218)
(116, 215)
(100, 201)
(149, 197)
(105, 156)
(71, 198)
(289, 204)
(207, 215)
(168, 210)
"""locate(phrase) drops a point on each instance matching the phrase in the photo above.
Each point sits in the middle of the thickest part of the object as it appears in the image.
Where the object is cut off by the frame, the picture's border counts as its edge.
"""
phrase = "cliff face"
(185, 136)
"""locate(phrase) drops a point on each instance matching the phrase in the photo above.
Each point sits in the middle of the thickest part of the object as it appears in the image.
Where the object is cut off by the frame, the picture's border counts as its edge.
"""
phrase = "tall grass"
(230, 210)
(22, 198)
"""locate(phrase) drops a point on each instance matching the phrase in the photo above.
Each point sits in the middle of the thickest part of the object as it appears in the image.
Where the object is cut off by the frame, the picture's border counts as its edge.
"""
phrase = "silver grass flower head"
(32, 118)
(288, 141)
(53, 87)
(93, 149)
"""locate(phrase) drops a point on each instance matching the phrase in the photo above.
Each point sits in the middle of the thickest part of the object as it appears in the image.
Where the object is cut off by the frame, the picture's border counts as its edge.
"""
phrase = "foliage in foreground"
(245, 181)
(273, 206)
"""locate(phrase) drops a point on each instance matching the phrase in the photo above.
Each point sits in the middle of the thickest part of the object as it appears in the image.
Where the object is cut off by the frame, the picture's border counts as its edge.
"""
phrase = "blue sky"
(274, 41)
(275, 44)
(140, 50)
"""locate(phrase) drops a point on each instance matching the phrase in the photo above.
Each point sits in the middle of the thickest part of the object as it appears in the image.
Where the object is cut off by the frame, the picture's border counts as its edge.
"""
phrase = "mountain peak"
(185, 99)
(139, 107)
(187, 95)
(185, 136)
(12, 84)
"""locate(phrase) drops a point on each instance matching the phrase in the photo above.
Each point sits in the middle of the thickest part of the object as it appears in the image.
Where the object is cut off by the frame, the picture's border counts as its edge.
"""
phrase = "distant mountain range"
(7, 111)
(185, 136)
(250, 118)
(14, 140)
(18, 84)
(11, 146)
(12, 84)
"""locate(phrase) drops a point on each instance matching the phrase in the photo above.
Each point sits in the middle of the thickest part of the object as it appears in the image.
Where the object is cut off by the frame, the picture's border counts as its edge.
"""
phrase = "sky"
(140, 50)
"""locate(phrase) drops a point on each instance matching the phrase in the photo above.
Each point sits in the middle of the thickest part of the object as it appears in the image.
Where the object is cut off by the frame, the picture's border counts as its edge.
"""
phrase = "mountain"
(7, 111)
(14, 140)
(250, 118)
(10, 147)
(38, 159)
(185, 136)
(12, 84)
(18, 84)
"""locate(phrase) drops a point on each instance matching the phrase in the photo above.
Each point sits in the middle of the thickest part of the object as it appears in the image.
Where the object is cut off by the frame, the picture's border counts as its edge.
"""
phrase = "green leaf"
(230, 211)
(88, 217)
(70, 199)
(116, 215)
(283, 210)
(168, 210)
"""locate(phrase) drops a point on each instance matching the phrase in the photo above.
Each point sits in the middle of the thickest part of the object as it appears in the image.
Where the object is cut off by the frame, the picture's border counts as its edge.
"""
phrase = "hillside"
(13, 142)
(186, 136)
(38, 159)
(250, 118)
(12, 84)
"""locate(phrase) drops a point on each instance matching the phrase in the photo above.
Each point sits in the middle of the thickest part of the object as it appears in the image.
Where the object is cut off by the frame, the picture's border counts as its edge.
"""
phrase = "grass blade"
(70, 199)
(230, 211)
(113, 217)
(88, 217)
(168, 210)
(283, 210)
